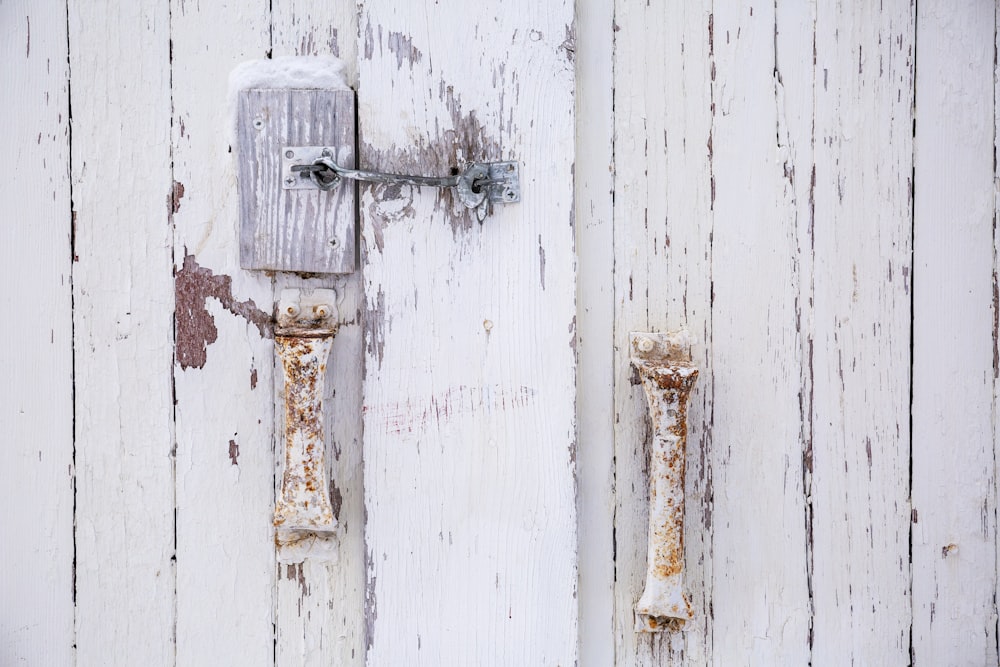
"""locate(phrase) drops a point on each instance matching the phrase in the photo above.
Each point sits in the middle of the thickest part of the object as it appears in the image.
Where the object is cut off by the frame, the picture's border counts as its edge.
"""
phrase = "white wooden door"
(808, 187)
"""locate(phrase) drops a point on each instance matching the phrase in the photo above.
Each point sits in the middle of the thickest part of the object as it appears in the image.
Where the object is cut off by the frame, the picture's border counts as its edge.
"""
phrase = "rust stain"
(234, 452)
(253, 378)
(196, 330)
(304, 502)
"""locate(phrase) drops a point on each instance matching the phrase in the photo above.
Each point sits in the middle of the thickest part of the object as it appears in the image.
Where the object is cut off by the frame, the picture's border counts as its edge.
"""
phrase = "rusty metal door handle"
(304, 333)
(664, 365)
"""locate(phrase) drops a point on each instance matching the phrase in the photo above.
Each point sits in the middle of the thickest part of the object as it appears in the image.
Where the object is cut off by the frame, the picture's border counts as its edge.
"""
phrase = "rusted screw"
(292, 310)
(645, 345)
(322, 311)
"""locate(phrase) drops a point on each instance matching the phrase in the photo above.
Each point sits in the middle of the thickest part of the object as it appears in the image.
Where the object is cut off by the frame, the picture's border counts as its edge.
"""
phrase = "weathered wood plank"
(225, 359)
(308, 231)
(469, 389)
(760, 590)
(595, 329)
(861, 334)
(123, 308)
(662, 281)
(954, 476)
(36, 386)
(320, 605)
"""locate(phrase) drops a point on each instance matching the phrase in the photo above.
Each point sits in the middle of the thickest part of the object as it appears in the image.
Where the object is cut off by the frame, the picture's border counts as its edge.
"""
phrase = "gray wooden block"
(294, 230)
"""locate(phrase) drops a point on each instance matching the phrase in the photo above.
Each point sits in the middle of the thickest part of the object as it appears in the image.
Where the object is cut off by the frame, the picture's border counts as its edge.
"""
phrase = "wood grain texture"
(760, 595)
(954, 476)
(320, 605)
(123, 305)
(861, 333)
(36, 385)
(469, 389)
(224, 404)
(595, 329)
(307, 231)
(662, 281)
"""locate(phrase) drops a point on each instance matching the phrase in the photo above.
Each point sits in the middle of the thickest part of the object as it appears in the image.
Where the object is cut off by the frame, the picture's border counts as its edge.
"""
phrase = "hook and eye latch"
(478, 185)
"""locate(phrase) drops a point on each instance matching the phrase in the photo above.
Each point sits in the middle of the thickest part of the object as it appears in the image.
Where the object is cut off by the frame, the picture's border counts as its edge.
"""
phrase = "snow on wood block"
(302, 230)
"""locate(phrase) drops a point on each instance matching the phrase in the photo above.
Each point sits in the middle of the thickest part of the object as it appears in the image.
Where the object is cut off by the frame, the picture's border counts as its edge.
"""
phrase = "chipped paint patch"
(402, 47)
(196, 330)
(176, 194)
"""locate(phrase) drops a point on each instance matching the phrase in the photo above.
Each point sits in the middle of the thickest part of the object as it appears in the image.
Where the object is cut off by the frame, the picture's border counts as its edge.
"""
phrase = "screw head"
(289, 154)
(334, 243)
(258, 123)
(645, 345)
(289, 181)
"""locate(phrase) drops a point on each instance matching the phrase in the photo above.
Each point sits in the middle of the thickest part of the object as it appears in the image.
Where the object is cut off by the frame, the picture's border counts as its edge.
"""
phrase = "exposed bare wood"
(308, 231)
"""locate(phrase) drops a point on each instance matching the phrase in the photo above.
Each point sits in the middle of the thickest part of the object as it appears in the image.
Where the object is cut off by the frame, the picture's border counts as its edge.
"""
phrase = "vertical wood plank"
(954, 476)
(794, 90)
(469, 389)
(123, 305)
(662, 277)
(861, 352)
(320, 605)
(224, 370)
(36, 386)
(760, 594)
(595, 329)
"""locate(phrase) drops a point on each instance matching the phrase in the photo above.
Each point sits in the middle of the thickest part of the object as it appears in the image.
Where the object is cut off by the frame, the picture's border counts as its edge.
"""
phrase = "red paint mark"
(234, 451)
(196, 330)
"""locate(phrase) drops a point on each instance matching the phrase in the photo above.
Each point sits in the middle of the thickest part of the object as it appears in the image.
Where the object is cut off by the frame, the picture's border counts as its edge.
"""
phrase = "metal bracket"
(478, 185)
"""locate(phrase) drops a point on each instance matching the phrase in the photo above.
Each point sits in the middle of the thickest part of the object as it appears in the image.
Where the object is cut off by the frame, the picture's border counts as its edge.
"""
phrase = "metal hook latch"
(479, 185)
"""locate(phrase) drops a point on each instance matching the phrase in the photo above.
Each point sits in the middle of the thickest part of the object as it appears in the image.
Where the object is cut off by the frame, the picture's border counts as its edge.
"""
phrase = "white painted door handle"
(303, 513)
(664, 365)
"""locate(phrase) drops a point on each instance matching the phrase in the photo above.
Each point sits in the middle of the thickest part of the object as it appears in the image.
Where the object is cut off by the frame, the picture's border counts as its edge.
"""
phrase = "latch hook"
(478, 185)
